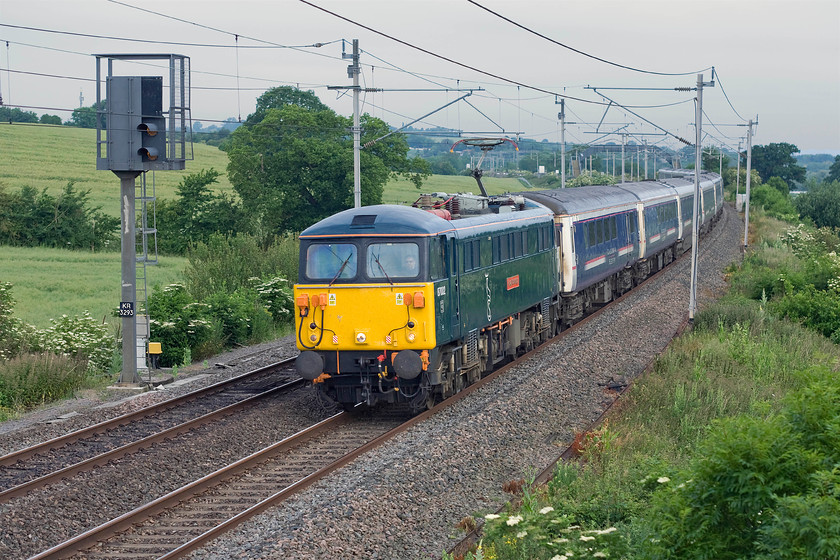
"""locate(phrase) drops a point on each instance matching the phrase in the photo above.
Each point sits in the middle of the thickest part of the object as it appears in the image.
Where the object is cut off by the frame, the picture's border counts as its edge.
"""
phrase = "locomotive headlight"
(361, 338)
(313, 338)
(411, 337)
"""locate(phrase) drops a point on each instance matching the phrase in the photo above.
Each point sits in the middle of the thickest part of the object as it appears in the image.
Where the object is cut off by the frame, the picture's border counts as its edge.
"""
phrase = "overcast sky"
(777, 60)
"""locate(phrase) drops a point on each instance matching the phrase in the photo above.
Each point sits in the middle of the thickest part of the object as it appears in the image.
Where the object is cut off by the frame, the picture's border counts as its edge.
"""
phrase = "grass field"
(402, 191)
(48, 157)
(51, 282)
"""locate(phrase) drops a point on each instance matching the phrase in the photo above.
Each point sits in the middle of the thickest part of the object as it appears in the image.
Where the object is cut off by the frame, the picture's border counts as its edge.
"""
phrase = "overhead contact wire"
(529, 30)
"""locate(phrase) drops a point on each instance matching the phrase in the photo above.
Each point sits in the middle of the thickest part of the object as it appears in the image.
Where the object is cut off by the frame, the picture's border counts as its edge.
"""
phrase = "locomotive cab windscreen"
(374, 261)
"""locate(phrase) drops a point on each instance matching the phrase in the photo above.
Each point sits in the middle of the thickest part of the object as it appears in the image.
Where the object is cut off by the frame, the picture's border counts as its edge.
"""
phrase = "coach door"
(454, 287)
(444, 275)
(558, 243)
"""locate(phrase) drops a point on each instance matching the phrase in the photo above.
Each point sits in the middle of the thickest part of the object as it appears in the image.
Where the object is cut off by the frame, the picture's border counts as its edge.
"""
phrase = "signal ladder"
(146, 254)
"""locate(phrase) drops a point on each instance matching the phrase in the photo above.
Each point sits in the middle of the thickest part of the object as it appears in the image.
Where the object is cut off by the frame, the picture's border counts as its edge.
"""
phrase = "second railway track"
(46, 462)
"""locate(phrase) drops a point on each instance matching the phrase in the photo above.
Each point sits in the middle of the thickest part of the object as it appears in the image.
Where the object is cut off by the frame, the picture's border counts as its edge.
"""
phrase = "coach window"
(631, 224)
(331, 261)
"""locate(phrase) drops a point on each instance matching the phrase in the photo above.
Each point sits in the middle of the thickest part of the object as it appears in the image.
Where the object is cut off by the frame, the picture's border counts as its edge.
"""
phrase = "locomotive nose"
(309, 365)
(408, 364)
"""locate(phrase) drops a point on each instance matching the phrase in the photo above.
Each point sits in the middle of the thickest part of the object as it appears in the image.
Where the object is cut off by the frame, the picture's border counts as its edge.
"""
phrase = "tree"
(284, 95)
(50, 119)
(834, 171)
(821, 204)
(8, 114)
(196, 214)
(776, 160)
(85, 117)
(295, 166)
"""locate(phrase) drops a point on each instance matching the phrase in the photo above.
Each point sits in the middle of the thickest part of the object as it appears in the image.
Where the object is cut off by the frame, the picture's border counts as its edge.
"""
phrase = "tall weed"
(33, 379)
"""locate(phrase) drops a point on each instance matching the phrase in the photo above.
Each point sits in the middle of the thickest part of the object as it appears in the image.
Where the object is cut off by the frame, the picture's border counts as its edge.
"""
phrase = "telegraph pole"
(738, 174)
(562, 116)
(623, 141)
(353, 71)
(749, 166)
(695, 224)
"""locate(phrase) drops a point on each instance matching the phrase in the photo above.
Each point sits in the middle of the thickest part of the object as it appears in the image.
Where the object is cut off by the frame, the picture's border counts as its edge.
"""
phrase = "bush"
(82, 338)
(750, 487)
(816, 310)
(15, 335)
(223, 319)
(32, 379)
(179, 324)
(34, 219)
(276, 295)
(226, 264)
(775, 203)
(821, 204)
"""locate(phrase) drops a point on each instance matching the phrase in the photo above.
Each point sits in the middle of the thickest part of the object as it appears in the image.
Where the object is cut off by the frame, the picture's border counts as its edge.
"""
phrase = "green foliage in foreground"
(741, 495)
(703, 445)
(236, 293)
(729, 449)
(38, 366)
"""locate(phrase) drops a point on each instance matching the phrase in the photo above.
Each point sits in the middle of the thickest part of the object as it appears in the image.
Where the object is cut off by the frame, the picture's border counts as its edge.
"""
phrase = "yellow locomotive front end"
(351, 328)
(365, 307)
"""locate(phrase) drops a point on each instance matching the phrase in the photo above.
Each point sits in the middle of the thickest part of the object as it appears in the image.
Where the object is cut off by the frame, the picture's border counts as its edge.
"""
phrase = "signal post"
(132, 137)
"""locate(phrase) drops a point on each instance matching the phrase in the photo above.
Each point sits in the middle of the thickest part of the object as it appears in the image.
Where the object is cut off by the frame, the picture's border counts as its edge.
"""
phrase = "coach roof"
(584, 199)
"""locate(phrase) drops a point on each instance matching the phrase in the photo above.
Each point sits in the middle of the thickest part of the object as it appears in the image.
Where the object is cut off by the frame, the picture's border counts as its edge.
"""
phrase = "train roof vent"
(363, 220)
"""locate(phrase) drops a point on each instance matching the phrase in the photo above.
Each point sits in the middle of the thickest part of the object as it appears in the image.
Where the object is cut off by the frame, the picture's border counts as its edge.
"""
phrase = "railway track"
(186, 519)
(39, 465)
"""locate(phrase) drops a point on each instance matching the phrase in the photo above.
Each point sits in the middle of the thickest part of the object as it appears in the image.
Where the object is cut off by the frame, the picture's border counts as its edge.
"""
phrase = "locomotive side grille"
(544, 310)
(472, 346)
